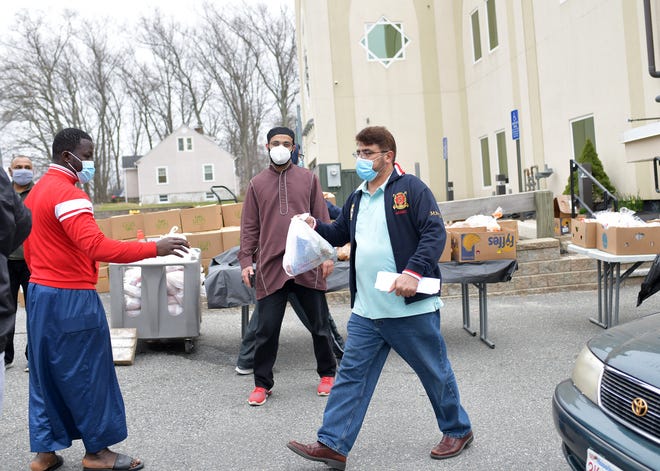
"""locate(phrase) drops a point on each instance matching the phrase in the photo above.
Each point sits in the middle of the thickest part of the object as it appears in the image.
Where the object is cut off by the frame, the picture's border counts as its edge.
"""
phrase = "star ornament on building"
(384, 41)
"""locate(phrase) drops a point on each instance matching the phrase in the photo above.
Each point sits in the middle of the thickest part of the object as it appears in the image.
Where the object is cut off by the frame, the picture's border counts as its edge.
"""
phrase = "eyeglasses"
(366, 154)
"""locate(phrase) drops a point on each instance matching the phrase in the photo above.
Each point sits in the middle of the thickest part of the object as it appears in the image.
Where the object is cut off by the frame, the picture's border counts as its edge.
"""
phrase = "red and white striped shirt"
(66, 244)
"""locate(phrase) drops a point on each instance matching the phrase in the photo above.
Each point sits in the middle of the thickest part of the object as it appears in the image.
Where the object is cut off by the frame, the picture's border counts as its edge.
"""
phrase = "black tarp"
(225, 288)
(651, 283)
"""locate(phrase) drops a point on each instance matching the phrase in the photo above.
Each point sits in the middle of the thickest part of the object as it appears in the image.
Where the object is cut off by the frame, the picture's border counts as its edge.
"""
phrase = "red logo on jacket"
(400, 202)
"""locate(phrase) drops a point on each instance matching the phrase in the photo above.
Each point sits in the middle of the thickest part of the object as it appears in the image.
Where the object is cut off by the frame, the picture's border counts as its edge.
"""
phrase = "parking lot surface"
(190, 411)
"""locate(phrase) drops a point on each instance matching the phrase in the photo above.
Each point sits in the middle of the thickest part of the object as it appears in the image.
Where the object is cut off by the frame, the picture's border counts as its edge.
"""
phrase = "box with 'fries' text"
(476, 246)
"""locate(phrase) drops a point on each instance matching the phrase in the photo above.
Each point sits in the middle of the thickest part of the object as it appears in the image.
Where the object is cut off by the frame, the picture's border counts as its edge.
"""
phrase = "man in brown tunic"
(273, 197)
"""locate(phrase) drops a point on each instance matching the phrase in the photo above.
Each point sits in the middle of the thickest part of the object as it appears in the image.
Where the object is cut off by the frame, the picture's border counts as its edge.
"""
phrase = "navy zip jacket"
(414, 222)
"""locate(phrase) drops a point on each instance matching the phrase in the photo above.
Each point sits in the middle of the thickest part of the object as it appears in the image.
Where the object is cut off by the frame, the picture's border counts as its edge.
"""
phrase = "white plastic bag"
(305, 248)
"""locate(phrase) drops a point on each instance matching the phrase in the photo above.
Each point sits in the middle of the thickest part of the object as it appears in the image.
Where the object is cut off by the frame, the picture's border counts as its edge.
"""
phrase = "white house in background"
(130, 184)
(181, 168)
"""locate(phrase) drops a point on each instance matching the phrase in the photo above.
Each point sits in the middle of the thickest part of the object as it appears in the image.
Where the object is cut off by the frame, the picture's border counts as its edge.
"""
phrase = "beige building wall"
(556, 62)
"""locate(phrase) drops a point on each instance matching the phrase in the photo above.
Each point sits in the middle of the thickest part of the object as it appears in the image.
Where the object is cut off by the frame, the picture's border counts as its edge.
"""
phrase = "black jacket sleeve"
(15, 225)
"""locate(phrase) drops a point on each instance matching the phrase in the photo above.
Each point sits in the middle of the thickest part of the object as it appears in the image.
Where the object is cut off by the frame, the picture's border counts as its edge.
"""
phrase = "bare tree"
(173, 49)
(272, 39)
(230, 75)
(105, 99)
(232, 65)
(39, 89)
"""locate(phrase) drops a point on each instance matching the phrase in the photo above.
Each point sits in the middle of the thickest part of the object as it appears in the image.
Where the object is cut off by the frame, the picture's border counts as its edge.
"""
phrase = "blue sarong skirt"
(74, 393)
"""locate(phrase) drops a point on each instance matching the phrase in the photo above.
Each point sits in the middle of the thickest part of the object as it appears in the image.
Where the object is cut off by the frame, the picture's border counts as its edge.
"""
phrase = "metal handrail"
(576, 167)
(220, 200)
(656, 164)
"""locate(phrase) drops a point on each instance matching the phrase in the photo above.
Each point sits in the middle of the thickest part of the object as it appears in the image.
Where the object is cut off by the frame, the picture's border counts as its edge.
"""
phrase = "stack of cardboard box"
(616, 240)
(212, 228)
(562, 220)
(103, 284)
(475, 244)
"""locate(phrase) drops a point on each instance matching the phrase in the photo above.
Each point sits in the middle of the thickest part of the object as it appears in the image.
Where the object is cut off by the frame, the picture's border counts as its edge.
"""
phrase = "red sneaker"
(258, 396)
(325, 385)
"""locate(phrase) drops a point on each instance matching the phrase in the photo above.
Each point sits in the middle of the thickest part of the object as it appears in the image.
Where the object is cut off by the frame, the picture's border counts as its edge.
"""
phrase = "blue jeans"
(418, 341)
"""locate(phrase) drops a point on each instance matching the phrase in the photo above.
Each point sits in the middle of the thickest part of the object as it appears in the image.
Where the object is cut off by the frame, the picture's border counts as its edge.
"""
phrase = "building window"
(476, 36)
(208, 173)
(492, 24)
(209, 195)
(163, 199)
(501, 154)
(384, 41)
(581, 130)
(485, 162)
(184, 144)
(161, 175)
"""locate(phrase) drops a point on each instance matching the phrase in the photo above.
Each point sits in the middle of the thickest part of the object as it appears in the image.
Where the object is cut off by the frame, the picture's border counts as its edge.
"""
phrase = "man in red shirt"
(74, 393)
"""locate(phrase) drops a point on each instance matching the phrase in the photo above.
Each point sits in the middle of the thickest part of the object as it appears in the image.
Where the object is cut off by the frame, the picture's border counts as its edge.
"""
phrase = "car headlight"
(586, 374)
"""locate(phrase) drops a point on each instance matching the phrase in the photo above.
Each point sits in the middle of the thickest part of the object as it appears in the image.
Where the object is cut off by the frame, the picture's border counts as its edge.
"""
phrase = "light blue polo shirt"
(374, 254)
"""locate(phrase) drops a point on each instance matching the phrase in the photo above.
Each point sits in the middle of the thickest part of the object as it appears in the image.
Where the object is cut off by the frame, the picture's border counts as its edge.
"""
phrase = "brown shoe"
(319, 452)
(450, 447)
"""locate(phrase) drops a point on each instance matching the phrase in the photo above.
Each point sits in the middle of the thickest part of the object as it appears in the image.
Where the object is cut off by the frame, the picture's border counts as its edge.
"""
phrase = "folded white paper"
(385, 279)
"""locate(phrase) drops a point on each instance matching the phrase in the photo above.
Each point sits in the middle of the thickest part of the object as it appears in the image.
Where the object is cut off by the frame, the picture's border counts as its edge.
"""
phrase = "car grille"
(617, 392)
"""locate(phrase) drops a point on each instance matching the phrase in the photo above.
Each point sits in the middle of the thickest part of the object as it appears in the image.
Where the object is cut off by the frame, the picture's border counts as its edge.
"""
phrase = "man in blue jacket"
(394, 225)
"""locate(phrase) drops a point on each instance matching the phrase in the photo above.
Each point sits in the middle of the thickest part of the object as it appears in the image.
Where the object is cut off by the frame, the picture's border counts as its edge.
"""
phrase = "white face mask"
(280, 155)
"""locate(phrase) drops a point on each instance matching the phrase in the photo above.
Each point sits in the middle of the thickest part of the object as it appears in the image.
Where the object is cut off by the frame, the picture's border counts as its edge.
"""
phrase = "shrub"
(632, 202)
(589, 156)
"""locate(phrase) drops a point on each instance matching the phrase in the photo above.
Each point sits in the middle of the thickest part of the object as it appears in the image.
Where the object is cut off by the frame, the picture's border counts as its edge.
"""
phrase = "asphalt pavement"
(190, 412)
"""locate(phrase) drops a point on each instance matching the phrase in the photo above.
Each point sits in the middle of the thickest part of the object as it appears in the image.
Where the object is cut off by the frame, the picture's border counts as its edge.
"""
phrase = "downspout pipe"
(650, 49)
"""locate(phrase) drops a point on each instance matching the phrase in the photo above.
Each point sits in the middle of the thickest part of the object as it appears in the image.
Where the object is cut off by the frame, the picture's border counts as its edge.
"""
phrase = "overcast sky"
(123, 10)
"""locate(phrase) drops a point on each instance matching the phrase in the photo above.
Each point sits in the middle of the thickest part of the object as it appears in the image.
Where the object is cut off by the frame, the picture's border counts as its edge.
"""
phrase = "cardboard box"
(562, 210)
(103, 285)
(562, 206)
(508, 225)
(486, 245)
(201, 218)
(21, 298)
(583, 232)
(105, 226)
(562, 226)
(160, 222)
(231, 236)
(629, 240)
(455, 230)
(205, 265)
(126, 226)
(446, 253)
(330, 197)
(103, 271)
(209, 243)
(231, 214)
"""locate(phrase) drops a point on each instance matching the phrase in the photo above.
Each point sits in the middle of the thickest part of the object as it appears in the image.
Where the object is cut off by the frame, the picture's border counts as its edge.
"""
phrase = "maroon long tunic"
(272, 199)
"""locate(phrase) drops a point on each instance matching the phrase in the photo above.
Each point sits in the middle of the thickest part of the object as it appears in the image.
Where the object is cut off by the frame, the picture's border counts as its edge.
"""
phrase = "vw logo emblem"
(639, 407)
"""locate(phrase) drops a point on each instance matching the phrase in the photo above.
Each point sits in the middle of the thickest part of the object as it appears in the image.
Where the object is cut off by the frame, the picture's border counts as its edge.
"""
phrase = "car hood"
(632, 348)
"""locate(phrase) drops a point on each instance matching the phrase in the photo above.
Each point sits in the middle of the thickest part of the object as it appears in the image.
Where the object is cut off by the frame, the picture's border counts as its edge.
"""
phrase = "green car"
(608, 412)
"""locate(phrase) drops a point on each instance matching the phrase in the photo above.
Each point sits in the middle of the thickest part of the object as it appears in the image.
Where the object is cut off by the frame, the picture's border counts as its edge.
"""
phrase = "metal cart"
(155, 319)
